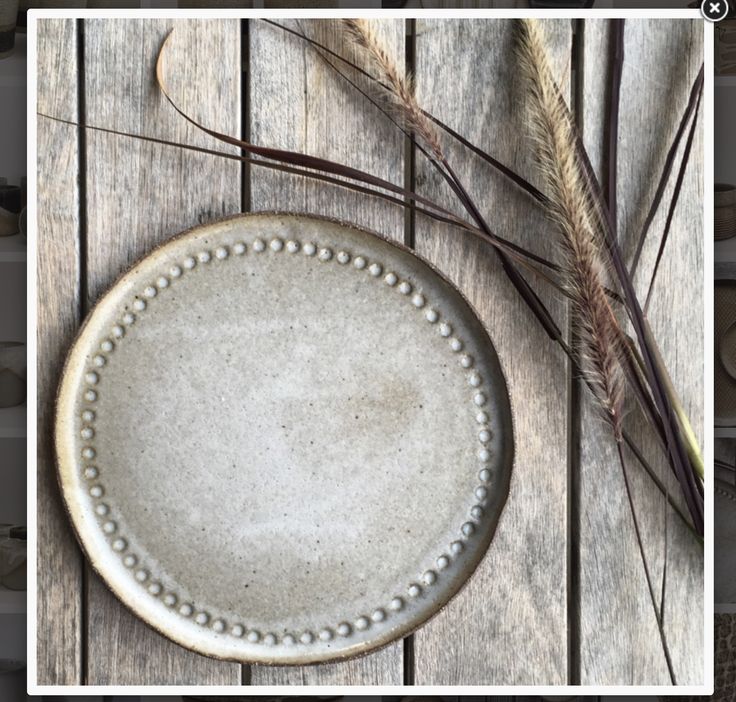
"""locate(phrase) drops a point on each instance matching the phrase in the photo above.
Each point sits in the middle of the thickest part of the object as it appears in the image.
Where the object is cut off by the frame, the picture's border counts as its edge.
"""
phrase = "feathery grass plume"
(570, 207)
(400, 88)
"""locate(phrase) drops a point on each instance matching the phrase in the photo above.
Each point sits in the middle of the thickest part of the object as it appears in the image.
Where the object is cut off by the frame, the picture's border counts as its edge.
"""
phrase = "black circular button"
(714, 10)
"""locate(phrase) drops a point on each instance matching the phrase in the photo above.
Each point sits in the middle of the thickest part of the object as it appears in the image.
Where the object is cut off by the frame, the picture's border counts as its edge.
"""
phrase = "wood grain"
(509, 625)
(298, 102)
(619, 640)
(138, 195)
(59, 603)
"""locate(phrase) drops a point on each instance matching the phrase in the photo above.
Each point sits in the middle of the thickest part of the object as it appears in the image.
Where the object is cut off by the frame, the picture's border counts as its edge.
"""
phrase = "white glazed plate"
(283, 440)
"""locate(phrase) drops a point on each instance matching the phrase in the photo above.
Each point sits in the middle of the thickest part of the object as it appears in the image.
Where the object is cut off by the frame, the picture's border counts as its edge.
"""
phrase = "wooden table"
(561, 595)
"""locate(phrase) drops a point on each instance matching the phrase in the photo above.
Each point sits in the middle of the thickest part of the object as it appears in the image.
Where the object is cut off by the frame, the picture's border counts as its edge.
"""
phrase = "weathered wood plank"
(297, 102)
(509, 624)
(619, 640)
(59, 603)
(139, 194)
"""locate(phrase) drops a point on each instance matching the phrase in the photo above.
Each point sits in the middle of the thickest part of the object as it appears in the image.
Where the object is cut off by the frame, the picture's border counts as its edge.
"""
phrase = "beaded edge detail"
(91, 472)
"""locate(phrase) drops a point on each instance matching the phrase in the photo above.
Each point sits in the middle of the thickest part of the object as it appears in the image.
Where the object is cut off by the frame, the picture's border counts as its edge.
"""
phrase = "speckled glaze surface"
(283, 440)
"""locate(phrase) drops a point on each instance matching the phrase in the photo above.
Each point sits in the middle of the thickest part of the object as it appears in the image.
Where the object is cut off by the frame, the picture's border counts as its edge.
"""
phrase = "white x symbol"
(715, 7)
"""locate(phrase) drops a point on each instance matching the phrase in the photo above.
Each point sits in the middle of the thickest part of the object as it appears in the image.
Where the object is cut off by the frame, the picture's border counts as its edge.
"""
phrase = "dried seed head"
(399, 89)
(599, 336)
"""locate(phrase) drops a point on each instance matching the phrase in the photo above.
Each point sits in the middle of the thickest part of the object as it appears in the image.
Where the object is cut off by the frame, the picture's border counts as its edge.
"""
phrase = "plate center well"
(286, 438)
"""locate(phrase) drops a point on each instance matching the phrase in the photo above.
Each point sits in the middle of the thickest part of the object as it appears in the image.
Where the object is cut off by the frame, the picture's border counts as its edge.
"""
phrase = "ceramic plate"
(283, 440)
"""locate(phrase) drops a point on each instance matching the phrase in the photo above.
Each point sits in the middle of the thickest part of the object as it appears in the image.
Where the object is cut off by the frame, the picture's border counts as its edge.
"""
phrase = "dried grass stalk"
(400, 88)
(599, 335)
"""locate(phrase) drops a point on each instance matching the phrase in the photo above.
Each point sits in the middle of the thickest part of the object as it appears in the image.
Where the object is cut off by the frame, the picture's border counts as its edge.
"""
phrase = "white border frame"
(639, 13)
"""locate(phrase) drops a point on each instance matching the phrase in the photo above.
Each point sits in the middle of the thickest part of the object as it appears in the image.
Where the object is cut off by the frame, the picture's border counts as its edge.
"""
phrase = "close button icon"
(714, 10)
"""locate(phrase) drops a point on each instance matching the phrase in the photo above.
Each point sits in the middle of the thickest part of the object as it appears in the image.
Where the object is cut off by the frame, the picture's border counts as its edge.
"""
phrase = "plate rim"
(194, 645)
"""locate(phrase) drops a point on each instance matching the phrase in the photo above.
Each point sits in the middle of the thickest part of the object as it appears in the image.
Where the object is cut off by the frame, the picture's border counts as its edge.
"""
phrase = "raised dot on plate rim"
(218, 625)
(414, 590)
(119, 545)
(292, 246)
(396, 604)
(375, 269)
(221, 253)
(456, 547)
(485, 475)
(309, 248)
(390, 279)
(359, 262)
(107, 345)
(204, 256)
(276, 244)
(202, 618)
(343, 257)
(378, 615)
(175, 271)
(239, 248)
(362, 623)
(468, 528)
(150, 291)
(432, 316)
(307, 637)
(258, 245)
(344, 629)
(238, 630)
(429, 577)
(404, 287)
(326, 634)
(418, 301)
(270, 639)
(442, 562)
(445, 329)
(254, 636)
